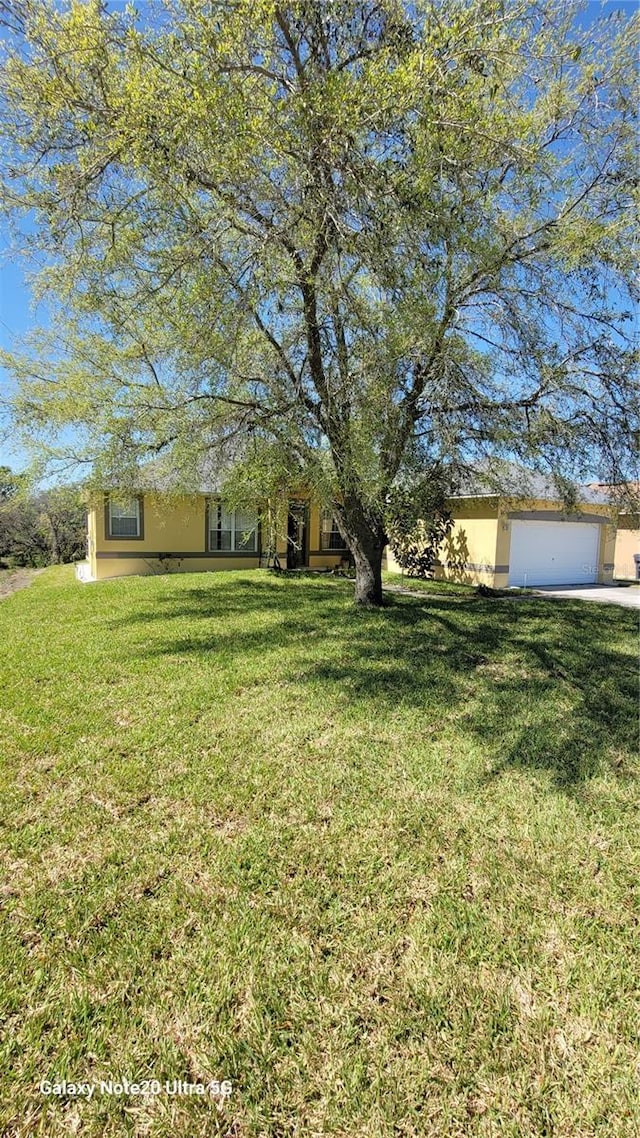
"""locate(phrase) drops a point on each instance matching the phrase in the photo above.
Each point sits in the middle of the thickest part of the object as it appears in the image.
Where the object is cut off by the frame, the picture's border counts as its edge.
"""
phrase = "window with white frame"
(330, 536)
(124, 519)
(233, 531)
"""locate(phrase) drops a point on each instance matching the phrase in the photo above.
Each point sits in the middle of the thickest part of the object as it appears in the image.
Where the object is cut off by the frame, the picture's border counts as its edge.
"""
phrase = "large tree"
(360, 233)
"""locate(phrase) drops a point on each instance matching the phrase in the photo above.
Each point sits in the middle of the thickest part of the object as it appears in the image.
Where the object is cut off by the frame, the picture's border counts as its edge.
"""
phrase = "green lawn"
(416, 584)
(378, 869)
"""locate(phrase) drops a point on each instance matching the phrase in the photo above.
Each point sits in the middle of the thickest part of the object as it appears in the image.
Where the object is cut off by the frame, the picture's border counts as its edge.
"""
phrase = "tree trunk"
(368, 559)
(54, 543)
(366, 539)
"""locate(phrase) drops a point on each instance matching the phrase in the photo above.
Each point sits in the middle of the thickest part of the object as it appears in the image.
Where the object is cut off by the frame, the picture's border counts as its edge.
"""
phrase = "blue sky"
(18, 313)
(16, 318)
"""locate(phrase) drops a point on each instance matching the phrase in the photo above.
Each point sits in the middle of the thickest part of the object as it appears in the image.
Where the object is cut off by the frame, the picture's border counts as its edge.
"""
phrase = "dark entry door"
(297, 547)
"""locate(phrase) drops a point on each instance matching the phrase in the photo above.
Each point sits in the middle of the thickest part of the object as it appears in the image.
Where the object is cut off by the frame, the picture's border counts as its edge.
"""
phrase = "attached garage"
(528, 536)
(554, 553)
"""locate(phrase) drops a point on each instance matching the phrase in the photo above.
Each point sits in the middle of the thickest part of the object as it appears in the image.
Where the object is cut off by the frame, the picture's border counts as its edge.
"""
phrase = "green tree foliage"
(39, 528)
(345, 228)
(63, 521)
(9, 484)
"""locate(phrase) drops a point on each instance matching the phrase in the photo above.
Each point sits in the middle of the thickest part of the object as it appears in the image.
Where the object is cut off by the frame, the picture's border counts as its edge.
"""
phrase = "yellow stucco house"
(527, 538)
(159, 532)
(626, 561)
(626, 565)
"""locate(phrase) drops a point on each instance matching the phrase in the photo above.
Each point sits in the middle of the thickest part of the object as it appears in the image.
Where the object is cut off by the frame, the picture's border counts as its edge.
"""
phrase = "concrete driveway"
(627, 595)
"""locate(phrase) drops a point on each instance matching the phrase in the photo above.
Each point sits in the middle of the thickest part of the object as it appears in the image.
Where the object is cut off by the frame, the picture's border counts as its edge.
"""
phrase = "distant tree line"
(43, 527)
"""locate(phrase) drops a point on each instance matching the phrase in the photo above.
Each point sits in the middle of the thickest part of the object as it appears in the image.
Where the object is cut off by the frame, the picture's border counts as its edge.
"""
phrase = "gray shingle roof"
(204, 475)
(490, 478)
(499, 478)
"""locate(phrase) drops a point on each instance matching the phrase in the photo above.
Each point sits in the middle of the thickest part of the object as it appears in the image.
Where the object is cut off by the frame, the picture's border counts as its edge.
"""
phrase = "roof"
(207, 473)
(203, 473)
(499, 479)
(624, 495)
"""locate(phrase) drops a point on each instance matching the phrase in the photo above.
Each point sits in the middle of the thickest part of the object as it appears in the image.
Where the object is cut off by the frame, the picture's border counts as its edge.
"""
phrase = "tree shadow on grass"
(592, 709)
(539, 684)
(238, 618)
(222, 599)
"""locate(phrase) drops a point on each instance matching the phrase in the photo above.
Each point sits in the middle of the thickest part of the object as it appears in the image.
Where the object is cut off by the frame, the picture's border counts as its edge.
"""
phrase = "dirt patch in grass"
(11, 580)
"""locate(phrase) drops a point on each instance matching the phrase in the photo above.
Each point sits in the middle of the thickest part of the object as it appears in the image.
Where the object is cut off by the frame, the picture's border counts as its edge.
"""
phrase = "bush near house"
(418, 520)
(376, 868)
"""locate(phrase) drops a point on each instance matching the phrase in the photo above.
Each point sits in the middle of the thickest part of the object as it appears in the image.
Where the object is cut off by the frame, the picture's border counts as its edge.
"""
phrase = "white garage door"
(553, 553)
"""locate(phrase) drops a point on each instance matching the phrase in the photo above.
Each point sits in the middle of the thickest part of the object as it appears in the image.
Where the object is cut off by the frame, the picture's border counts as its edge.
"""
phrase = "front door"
(297, 548)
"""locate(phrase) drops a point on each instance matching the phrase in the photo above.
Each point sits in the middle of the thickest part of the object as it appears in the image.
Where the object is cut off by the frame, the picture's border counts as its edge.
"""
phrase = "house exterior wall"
(91, 541)
(469, 553)
(477, 551)
(174, 539)
(606, 564)
(321, 558)
(627, 543)
(316, 557)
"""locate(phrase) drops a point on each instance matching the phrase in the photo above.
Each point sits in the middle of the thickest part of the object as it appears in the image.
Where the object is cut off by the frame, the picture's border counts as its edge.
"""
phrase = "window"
(234, 531)
(124, 519)
(330, 536)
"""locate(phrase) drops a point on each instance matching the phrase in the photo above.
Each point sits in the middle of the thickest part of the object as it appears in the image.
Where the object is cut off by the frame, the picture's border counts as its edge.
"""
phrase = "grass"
(378, 869)
(442, 588)
(437, 588)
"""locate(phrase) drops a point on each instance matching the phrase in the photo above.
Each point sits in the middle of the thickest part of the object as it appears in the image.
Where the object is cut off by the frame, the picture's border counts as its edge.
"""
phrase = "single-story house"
(157, 532)
(525, 537)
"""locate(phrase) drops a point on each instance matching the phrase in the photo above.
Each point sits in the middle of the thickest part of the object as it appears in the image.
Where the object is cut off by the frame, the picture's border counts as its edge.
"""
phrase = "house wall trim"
(556, 516)
(480, 567)
(145, 554)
